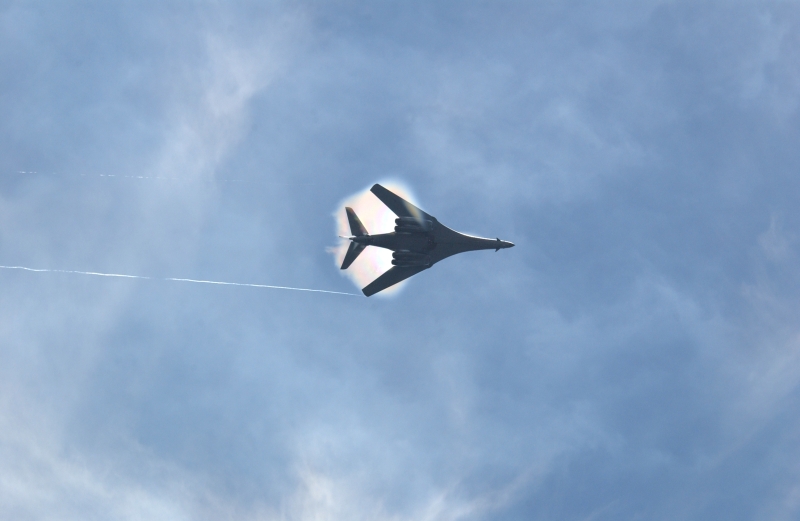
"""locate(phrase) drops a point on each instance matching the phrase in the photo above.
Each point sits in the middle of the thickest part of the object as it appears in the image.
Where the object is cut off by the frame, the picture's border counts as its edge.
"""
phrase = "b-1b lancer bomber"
(418, 241)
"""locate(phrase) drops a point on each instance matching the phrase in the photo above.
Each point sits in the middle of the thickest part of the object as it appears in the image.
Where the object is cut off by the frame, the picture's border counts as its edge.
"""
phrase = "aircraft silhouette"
(419, 241)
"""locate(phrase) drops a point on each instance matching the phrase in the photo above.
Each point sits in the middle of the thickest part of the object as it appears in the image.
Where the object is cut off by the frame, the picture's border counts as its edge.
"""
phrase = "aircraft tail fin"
(353, 251)
(356, 228)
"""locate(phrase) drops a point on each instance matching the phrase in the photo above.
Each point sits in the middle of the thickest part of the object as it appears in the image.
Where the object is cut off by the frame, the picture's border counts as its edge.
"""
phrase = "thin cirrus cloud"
(634, 356)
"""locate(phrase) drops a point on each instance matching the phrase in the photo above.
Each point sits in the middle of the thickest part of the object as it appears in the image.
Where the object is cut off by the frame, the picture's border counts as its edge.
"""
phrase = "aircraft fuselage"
(418, 242)
(438, 243)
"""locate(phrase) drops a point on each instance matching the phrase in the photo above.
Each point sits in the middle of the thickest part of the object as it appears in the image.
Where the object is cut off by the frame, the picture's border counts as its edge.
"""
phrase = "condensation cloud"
(377, 218)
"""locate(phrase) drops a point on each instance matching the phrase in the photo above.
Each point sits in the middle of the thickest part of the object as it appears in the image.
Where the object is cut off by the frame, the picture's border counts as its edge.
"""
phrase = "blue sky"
(635, 356)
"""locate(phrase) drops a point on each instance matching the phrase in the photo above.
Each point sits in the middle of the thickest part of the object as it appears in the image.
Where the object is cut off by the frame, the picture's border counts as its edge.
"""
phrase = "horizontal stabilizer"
(353, 251)
(356, 228)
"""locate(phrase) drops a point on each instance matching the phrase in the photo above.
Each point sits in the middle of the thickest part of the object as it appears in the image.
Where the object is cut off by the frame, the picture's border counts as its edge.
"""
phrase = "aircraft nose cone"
(503, 245)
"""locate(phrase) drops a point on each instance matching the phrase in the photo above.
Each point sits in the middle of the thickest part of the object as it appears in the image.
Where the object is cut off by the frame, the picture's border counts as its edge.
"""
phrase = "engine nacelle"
(408, 229)
(405, 258)
(411, 222)
(406, 264)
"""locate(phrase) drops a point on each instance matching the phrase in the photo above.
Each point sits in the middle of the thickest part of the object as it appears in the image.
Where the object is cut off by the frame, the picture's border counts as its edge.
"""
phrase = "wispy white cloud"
(640, 342)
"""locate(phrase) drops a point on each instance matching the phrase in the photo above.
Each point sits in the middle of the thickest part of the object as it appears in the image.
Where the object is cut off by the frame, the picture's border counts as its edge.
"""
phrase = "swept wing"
(390, 278)
(400, 206)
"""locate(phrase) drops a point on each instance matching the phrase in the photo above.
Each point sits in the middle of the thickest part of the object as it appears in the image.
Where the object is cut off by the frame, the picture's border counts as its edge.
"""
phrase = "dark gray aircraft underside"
(419, 241)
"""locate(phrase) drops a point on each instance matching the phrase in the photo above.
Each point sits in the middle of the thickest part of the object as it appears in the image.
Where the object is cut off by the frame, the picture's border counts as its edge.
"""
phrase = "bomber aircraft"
(418, 241)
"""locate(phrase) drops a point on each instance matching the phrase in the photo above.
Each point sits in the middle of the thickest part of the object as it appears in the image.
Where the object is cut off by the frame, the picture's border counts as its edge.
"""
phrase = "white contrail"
(120, 176)
(167, 178)
(177, 280)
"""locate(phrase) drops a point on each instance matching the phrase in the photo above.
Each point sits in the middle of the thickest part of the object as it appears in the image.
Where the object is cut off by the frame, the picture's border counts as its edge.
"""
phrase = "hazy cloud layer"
(637, 355)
